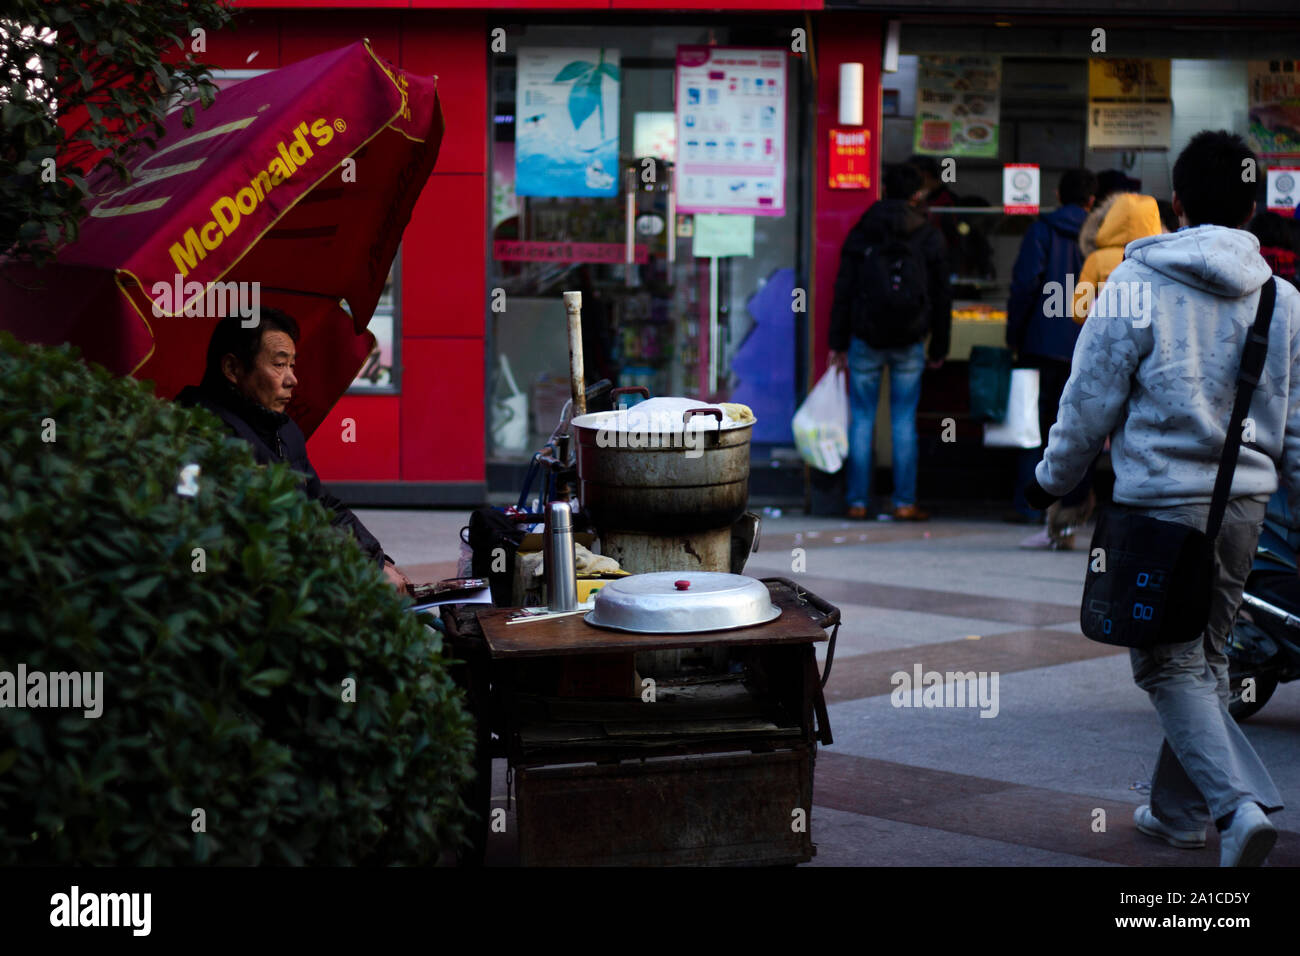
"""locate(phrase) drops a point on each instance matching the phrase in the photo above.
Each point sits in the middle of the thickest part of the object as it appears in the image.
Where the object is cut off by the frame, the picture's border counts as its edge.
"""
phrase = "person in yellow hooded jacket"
(1128, 216)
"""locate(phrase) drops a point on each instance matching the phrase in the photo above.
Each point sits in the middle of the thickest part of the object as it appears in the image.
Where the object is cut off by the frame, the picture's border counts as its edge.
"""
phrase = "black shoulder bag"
(1154, 579)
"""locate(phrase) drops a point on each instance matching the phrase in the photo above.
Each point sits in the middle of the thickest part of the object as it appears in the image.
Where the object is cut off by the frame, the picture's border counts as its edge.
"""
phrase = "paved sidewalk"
(944, 786)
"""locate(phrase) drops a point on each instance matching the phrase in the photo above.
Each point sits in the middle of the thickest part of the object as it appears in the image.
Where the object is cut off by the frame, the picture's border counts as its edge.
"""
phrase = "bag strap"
(1252, 365)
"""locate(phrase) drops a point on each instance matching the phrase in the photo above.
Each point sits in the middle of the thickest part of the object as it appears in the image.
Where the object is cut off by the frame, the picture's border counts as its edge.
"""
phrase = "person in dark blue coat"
(248, 382)
(1040, 328)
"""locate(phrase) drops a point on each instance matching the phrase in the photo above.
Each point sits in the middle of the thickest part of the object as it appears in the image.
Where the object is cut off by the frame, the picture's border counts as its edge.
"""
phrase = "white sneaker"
(1248, 839)
(1044, 540)
(1183, 839)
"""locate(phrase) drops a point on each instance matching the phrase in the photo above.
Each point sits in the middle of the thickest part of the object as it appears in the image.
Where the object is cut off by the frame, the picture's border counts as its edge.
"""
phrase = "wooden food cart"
(710, 767)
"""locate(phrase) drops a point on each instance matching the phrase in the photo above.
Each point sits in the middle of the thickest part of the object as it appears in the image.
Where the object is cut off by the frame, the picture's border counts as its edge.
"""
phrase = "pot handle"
(690, 412)
(627, 390)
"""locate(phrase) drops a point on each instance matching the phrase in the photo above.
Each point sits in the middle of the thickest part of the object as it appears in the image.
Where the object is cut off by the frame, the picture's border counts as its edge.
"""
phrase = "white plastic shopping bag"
(1020, 428)
(821, 425)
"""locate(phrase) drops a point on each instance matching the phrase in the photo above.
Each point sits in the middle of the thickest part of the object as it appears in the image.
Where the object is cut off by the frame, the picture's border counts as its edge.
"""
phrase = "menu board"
(566, 122)
(957, 106)
(731, 105)
(1274, 96)
(1129, 105)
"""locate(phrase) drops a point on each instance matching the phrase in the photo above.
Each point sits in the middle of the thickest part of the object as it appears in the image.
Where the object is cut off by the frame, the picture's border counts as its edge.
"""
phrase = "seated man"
(248, 382)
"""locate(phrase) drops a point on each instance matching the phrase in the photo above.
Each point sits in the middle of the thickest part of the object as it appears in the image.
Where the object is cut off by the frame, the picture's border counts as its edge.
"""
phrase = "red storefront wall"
(427, 445)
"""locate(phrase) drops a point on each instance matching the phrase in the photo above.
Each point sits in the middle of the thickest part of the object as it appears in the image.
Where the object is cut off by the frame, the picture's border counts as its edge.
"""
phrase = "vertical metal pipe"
(672, 222)
(629, 236)
(573, 311)
(713, 328)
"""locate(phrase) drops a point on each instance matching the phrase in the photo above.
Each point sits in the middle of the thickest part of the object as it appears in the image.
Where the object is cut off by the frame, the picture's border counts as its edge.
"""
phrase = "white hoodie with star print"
(1155, 368)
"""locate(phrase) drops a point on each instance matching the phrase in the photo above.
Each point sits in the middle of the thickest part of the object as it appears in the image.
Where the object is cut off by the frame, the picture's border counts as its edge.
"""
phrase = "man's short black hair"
(901, 181)
(1210, 182)
(925, 165)
(230, 337)
(1077, 186)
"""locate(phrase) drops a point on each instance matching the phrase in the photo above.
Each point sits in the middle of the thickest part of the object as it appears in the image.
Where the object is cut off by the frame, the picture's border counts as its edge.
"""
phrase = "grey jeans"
(1206, 767)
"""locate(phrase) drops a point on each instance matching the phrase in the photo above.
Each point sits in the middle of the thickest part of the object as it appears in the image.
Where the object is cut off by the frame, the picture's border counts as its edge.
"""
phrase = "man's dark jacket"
(1049, 253)
(276, 437)
(883, 220)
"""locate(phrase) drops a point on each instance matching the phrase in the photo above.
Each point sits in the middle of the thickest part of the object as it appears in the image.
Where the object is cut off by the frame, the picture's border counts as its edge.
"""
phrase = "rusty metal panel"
(735, 809)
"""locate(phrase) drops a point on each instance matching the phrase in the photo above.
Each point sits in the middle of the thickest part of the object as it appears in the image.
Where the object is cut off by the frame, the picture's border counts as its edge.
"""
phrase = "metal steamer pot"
(663, 482)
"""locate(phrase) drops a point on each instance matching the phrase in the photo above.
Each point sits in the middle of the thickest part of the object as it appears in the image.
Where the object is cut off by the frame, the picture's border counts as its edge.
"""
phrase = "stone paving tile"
(932, 601)
(1049, 820)
(869, 675)
(852, 839)
(870, 629)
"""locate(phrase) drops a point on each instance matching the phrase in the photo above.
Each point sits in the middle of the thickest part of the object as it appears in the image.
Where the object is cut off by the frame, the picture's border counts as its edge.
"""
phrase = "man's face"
(270, 381)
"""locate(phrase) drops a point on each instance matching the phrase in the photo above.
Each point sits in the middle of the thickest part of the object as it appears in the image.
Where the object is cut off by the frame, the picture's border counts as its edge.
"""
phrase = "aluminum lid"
(682, 602)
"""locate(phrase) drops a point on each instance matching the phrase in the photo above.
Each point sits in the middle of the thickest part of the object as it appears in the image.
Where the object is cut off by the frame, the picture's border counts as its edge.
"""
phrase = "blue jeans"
(905, 367)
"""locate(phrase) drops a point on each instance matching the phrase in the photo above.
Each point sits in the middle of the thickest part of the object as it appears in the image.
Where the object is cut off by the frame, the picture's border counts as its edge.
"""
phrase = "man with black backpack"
(892, 290)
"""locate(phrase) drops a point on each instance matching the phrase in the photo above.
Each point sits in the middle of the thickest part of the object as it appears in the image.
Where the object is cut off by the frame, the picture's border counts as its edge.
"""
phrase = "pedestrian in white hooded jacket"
(1155, 369)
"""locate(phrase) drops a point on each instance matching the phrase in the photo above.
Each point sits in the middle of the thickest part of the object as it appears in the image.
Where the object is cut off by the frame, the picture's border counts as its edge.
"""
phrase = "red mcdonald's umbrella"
(259, 190)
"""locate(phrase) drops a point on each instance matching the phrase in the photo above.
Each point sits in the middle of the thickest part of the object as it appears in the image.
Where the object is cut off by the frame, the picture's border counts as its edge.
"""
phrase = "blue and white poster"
(566, 122)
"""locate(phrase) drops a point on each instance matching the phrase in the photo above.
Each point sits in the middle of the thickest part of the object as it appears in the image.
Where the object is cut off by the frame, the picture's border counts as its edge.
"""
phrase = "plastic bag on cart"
(821, 425)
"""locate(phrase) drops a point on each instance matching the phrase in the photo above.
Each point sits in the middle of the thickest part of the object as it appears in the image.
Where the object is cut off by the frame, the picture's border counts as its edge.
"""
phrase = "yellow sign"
(1123, 81)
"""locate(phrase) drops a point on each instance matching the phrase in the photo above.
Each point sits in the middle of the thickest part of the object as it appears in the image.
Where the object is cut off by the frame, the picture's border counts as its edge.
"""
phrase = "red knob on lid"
(681, 585)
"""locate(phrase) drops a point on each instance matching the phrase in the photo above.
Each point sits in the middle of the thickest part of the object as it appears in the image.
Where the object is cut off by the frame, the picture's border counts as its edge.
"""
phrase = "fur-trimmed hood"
(1088, 232)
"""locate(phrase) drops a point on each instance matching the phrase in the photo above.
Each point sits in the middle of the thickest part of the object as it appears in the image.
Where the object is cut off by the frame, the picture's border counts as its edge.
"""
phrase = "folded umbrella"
(300, 180)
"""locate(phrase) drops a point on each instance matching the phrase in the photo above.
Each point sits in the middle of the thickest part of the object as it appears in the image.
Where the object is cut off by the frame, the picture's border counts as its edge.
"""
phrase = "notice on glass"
(1283, 190)
(1274, 98)
(1020, 182)
(731, 106)
(566, 122)
(957, 106)
(720, 235)
(1129, 105)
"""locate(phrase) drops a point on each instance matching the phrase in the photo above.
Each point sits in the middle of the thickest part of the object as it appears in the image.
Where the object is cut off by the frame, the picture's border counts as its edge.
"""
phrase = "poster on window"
(1129, 105)
(731, 105)
(566, 122)
(957, 106)
(1274, 96)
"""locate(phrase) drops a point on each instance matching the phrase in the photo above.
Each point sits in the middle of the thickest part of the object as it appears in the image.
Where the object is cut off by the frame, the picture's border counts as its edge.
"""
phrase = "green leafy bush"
(223, 669)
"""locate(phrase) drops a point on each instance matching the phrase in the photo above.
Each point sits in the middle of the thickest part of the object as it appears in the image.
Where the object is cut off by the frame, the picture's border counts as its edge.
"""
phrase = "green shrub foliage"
(223, 688)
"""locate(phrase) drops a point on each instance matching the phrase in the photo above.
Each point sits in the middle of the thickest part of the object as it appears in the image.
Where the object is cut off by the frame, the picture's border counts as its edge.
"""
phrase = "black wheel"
(1265, 684)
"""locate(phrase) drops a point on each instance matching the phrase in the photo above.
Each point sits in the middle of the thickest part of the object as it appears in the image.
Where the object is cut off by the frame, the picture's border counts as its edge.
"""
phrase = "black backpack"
(891, 302)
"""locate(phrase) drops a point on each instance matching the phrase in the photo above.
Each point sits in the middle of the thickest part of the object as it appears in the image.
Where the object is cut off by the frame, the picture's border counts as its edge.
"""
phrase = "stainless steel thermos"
(561, 578)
